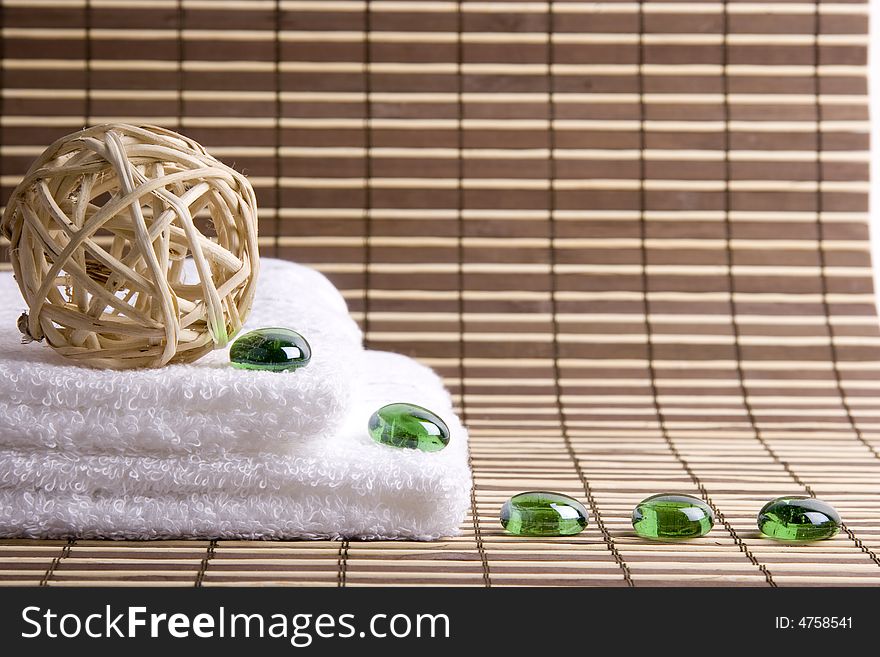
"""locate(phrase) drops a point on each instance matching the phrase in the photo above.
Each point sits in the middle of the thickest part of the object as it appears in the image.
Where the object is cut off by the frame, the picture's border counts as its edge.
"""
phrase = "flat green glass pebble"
(272, 349)
(541, 513)
(798, 518)
(409, 426)
(670, 516)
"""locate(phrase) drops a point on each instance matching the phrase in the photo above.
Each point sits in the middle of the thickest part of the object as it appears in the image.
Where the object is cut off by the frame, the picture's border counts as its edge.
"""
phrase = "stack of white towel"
(206, 450)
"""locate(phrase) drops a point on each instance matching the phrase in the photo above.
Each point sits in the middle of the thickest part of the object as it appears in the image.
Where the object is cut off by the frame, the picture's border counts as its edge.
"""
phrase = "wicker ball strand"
(101, 229)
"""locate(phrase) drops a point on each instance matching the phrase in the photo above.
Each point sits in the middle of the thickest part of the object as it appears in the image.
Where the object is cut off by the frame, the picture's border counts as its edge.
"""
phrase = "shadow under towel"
(242, 455)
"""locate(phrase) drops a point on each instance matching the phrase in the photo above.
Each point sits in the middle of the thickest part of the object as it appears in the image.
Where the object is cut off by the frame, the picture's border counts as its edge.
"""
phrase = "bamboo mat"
(632, 237)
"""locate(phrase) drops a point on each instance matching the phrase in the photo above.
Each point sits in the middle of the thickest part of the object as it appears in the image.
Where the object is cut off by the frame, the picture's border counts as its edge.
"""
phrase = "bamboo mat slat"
(632, 237)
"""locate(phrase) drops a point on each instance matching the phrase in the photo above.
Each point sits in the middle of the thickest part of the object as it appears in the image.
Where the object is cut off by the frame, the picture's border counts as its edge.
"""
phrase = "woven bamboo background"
(633, 238)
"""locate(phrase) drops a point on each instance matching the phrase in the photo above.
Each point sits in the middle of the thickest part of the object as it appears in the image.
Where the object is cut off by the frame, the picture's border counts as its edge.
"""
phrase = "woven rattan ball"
(133, 247)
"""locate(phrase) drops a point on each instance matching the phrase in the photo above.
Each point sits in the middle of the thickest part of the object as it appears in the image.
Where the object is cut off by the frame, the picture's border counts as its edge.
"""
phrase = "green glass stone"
(409, 426)
(541, 513)
(669, 516)
(798, 518)
(272, 349)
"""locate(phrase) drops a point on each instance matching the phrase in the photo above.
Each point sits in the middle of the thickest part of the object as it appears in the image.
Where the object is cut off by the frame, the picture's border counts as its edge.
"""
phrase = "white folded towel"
(237, 465)
(186, 408)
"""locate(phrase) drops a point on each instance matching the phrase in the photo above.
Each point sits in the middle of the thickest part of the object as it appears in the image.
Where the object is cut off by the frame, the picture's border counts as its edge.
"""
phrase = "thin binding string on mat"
(87, 63)
(820, 237)
(206, 561)
(460, 279)
(462, 343)
(181, 56)
(7, 255)
(87, 117)
(342, 564)
(368, 170)
(820, 234)
(276, 129)
(554, 310)
(367, 225)
(731, 279)
(646, 309)
(53, 565)
(180, 108)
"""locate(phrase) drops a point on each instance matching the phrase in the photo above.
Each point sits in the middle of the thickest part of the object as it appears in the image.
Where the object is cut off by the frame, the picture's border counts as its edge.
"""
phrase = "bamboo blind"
(632, 237)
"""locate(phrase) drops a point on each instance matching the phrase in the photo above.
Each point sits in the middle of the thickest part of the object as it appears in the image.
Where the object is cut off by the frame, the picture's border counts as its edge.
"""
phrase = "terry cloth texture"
(206, 450)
